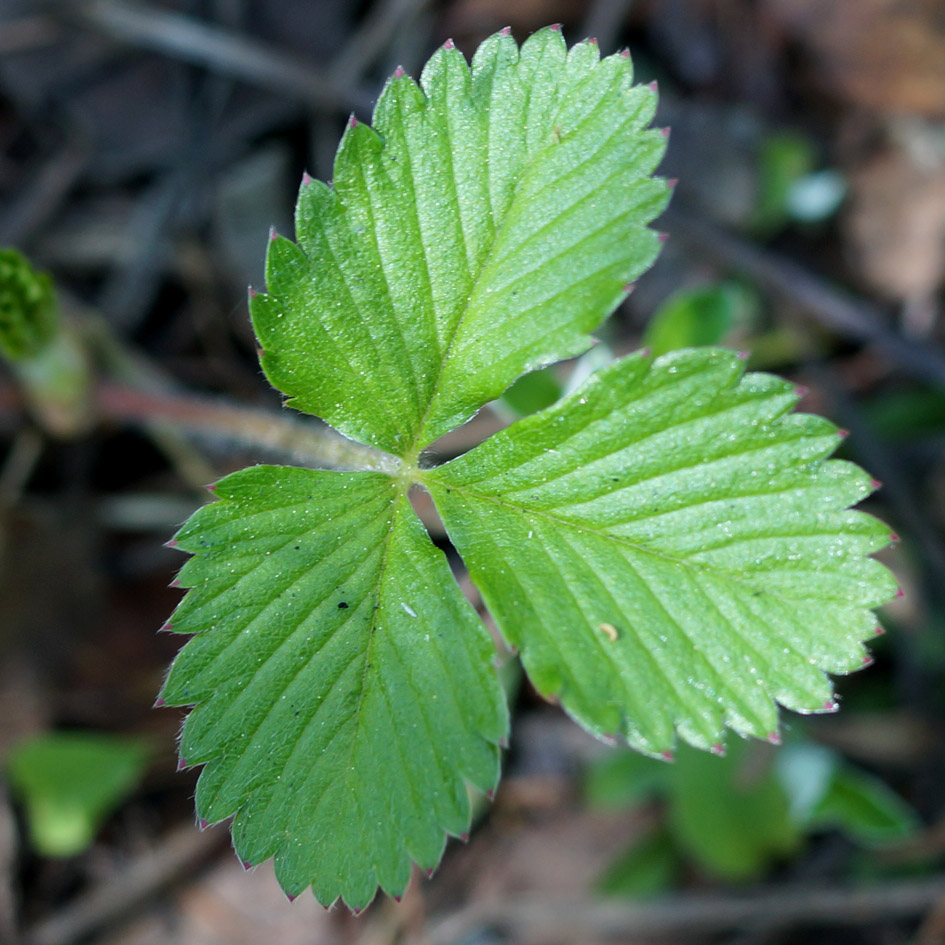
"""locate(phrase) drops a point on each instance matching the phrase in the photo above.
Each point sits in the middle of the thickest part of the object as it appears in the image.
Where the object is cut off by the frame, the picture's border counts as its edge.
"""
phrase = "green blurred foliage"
(70, 782)
(533, 392)
(707, 315)
(734, 817)
(29, 316)
(648, 868)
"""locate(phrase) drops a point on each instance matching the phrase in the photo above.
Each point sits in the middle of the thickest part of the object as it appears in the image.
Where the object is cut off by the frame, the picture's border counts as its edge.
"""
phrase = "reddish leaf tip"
(831, 706)
(491, 794)
(429, 871)
(399, 72)
(843, 434)
(625, 53)
(398, 899)
(879, 631)
(306, 178)
(665, 132)
(868, 660)
(246, 864)
(273, 235)
(774, 738)
(464, 836)
(668, 756)
(175, 583)
(505, 31)
(204, 823)
(252, 292)
(168, 626)
(800, 390)
(503, 742)
(743, 354)
(672, 183)
(449, 44)
(292, 897)
(591, 40)
(629, 287)
(212, 487)
(181, 764)
(555, 27)
(718, 749)
(644, 352)
(900, 592)
(893, 536)
(357, 912)
(352, 121)
(171, 543)
(159, 703)
(875, 484)
(654, 86)
(662, 237)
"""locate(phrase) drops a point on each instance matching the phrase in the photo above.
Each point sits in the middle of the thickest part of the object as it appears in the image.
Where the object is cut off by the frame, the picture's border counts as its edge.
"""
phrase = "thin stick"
(371, 38)
(217, 49)
(848, 316)
(603, 21)
(579, 920)
(295, 438)
(172, 861)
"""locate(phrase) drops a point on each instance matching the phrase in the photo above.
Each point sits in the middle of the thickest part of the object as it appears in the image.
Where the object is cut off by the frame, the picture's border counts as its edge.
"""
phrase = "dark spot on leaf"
(342, 605)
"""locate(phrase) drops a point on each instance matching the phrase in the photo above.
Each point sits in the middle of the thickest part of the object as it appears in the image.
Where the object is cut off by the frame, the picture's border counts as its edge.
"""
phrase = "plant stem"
(298, 439)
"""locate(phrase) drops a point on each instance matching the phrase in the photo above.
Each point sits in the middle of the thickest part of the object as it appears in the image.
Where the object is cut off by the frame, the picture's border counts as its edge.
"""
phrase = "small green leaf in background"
(648, 868)
(827, 793)
(736, 816)
(70, 782)
(691, 318)
(730, 814)
(533, 392)
(785, 157)
(789, 188)
(907, 413)
(28, 312)
(625, 779)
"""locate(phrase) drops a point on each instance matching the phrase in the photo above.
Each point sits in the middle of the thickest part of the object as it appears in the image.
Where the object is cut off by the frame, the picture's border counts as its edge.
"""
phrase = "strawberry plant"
(669, 547)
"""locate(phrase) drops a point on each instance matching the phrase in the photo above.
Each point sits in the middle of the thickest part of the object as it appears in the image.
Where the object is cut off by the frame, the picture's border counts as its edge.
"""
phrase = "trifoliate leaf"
(671, 550)
(343, 686)
(489, 221)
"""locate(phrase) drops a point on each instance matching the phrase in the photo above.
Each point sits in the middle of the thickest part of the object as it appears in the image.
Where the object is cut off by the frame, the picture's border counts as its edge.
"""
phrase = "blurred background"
(145, 150)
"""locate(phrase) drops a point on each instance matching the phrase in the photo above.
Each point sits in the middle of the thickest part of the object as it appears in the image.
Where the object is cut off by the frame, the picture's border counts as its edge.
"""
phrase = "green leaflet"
(671, 551)
(491, 219)
(344, 689)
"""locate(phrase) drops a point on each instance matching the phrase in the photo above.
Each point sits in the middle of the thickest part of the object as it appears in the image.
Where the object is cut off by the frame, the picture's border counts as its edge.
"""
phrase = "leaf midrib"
(687, 563)
(418, 444)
